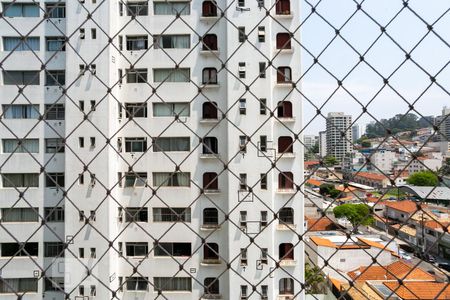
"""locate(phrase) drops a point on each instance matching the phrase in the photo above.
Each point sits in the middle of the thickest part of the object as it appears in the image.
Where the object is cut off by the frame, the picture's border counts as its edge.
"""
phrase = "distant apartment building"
(382, 160)
(310, 141)
(424, 164)
(323, 143)
(356, 132)
(444, 129)
(339, 134)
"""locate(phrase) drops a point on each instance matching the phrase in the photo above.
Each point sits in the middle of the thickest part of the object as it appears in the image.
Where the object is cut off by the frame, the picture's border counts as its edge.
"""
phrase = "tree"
(327, 189)
(366, 144)
(424, 178)
(356, 214)
(314, 280)
(330, 161)
(399, 123)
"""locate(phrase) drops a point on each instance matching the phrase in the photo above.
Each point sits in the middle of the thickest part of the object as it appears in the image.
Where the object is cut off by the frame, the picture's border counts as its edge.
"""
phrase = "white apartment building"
(339, 134)
(382, 160)
(143, 167)
(310, 141)
(444, 130)
(323, 143)
(356, 132)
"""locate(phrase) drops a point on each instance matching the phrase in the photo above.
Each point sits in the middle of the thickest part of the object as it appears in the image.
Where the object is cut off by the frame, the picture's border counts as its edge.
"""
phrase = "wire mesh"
(158, 150)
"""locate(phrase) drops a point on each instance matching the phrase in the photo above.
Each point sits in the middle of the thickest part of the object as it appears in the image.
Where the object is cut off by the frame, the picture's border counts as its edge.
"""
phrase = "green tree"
(314, 280)
(424, 178)
(327, 189)
(366, 144)
(330, 161)
(356, 214)
(398, 123)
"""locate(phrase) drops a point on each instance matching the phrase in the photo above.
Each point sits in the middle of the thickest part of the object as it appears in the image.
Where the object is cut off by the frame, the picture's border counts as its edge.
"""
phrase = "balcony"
(210, 227)
(211, 262)
(288, 263)
(285, 297)
(285, 227)
(286, 155)
(209, 155)
(211, 296)
(211, 191)
(209, 120)
(286, 191)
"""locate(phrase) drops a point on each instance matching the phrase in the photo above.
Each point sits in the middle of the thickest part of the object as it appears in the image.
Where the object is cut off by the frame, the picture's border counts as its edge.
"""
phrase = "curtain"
(172, 144)
(168, 8)
(181, 179)
(161, 179)
(162, 110)
(55, 45)
(11, 43)
(172, 283)
(182, 109)
(28, 145)
(31, 43)
(30, 10)
(19, 215)
(171, 75)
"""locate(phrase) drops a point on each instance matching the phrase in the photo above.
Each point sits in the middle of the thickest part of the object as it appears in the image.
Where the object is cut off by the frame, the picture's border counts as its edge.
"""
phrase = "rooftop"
(407, 206)
(420, 289)
(371, 176)
(428, 192)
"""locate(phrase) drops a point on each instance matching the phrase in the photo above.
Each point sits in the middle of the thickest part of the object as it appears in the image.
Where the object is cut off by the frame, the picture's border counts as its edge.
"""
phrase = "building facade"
(444, 130)
(339, 134)
(323, 143)
(142, 166)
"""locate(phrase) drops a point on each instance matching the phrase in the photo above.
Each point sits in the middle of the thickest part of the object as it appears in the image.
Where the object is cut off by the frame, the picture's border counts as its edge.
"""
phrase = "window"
(241, 34)
(242, 143)
(18, 285)
(285, 181)
(137, 283)
(81, 252)
(264, 292)
(284, 75)
(243, 292)
(135, 144)
(21, 77)
(138, 42)
(209, 76)
(54, 214)
(263, 221)
(286, 251)
(244, 260)
(55, 77)
(210, 217)
(15, 214)
(162, 144)
(286, 216)
(241, 70)
(54, 145)
(261, 34)
(209, 9)
(171, 179)
(54, 112)
(262, 106)
(262, 70)
(136, 75)
(210, 42)
(171, 75)
(82, 34)
(210, 181)
(92, 139)
(135, 179)
(136, 110)
(136, 214)
(54, 180)
(81, 142)
(263, 181)
(241, 3)
(172, 41)
(171, 214)
(171, 109)
(172, 283)
(54, 249)
(21, 9)
(93, 291)
(19, 249)
(20, 146)
(210, 145)
(93, 253)
(209, 110)
(211, 287)
(92, 215)
(264, 256)
(173, 249)
(19, 44)
(81, 289)
(55, 43)
(136, 249)
(56, 10)
(172, 8)
(283, 40)
(15, 180)
(283, 7)
(20, 111)
(210, 251)
(286, 286)
(243, 219)
(285, 144)
(243, 182)
(54, 284)
(284, 109)
(263, 143)
(93, 33)
(137, 8)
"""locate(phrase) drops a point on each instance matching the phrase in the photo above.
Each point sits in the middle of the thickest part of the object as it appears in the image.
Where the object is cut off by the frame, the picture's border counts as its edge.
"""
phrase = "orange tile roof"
(344, 189)
(407, 206)
(410, 290)
(349, 198)
(311, 163)
(377, 245)
(320, 224)
(432, 224)
(371, 176)
(394, 271)
(314, 182)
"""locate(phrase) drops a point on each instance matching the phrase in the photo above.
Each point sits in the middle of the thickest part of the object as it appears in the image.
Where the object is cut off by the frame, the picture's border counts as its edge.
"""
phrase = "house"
(321, 224)
(375, 180)
(401, 211)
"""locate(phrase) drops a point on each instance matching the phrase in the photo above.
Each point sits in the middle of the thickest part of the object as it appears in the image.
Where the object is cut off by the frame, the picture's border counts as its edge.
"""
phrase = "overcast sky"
(409, 81)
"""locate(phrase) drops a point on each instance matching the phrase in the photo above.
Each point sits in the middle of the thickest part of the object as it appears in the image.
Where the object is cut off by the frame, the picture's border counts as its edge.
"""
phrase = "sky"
(408, 83)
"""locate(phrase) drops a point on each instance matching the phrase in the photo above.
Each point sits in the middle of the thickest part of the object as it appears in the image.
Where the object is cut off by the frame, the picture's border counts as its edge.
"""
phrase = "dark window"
(176, 144)
(137, 8)
(286, 215)
(137, 283)
(286, 251)
(211, 286)
(54, 249)
(210, 145)
(136, 249)
(285, 180)
(54, 180)
(283, 7)
(284, 75)
(136, 214)
(241, 34)
(138, 42)
(262, 106)
(263, 143)
(210, 216)
(242, 106)
(210, 181)
(171, 214)
(54, 214)
(21, 9)
(285, 144)
(55, 77)
(135, 144)
(136, 75)
(172, 283)
(209, 110)
(21, 77)
(55, 43)
(136, 110)
(54, 284)
(286, 286)
(210, 42)
(284, 109)
(261, 34)
(263, 181)
(209, 9)
(173, 249)
(211, 251)
(262, 70)
(209, 76)
(19, 249)
(54, 112)
(283, 40)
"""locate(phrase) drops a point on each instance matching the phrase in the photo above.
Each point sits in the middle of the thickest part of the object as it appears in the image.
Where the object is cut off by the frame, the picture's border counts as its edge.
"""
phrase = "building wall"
(338, 145)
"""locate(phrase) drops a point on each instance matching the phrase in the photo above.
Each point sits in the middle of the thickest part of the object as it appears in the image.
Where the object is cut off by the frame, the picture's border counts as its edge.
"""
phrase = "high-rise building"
(444, 130)
(310, 141)
(356, 132)
(148, 144)
(339, 134)
(323, 143)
